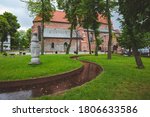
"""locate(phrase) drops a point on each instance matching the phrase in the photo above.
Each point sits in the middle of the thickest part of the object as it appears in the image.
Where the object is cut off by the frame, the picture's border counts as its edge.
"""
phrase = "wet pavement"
(23, 92)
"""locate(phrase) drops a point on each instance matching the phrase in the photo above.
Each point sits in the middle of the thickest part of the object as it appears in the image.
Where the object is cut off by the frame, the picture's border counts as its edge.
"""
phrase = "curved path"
(27, 89)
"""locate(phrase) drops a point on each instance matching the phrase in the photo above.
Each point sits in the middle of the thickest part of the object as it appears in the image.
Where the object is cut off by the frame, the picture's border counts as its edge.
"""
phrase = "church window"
(52, 45)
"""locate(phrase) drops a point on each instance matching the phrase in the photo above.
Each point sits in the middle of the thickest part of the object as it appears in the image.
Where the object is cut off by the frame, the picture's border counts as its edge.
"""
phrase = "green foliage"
(135, 21)
(17, 68)
(124, 40)
(14, 25)
(99, 41)
(13, 22)
(4, 26)
(28, 34)
(22, 39)
(88, 15)
(70, 7)
(15, 45)
(147, 37)
(9, 25)
(43, 8)
(119, 81)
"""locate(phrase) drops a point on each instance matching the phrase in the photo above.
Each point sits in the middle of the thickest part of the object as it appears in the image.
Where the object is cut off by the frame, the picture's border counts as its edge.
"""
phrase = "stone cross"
(35, 50)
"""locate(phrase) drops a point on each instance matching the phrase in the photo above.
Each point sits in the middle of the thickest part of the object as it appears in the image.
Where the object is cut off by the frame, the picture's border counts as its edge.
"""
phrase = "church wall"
(83, 45)
(59, 45)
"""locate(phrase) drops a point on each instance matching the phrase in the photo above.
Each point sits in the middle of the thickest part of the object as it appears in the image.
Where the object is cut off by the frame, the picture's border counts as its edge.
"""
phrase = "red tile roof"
(59, 16)
(102, 19)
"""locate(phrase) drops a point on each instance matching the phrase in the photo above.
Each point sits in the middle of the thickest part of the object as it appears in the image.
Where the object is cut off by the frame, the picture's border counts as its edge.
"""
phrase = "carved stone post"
(35, 49)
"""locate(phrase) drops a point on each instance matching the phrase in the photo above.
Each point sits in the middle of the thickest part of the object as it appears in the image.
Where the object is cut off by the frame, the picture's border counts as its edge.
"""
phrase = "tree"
(84, 20)
(70, 7)
(4, 27)
(108, 14)
(15, 39)
(28, 35)
(124, 40)
(9, 26)
(89, 11)
(14, 25)
(44, 9)
(22, 39)
(135, 21)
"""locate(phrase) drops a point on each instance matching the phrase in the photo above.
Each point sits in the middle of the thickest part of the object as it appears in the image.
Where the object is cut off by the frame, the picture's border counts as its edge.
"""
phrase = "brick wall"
(59, 45)
(83, 44)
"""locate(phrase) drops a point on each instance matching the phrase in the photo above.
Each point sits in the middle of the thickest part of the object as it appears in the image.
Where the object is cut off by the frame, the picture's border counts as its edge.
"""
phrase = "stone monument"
(35, 50)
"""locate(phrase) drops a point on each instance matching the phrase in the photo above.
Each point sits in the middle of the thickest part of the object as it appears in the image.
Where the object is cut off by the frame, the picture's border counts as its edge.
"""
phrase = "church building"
(57, 34)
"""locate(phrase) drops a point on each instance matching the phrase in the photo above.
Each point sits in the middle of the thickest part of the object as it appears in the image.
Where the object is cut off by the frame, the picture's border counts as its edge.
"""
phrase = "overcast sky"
(19, 9)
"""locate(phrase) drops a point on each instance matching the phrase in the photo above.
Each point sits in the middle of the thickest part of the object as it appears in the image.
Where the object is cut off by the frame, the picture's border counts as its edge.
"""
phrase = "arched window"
(65, 46)
(52, 45)
(91, 37)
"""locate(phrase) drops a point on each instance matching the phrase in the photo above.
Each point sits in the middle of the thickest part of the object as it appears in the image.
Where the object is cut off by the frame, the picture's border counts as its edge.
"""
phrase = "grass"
(17, 68)
(121, 80)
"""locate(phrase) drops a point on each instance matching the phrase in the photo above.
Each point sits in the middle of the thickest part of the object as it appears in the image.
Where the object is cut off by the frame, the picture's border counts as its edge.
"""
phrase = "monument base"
(35, 61)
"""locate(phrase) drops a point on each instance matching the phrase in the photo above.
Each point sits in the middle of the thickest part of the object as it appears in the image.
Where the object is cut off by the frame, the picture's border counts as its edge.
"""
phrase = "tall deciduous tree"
(109, 6)
(22, 39)
(89, 11)
(44, 9)
(4, 27)
(136, 20)
(70, 7)
(9, 27)
(108, 14)
(124, 40)
(84, 20)
(14, 25)
(28, 35)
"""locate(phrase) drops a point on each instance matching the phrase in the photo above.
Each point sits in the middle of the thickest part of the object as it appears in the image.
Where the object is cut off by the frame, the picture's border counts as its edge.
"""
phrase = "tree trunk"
(129, 54)
(138, 59)
(110, 30)
(89, 41)
(42, 30)
(68, 48)
(1, 46)
(42, 40)
(77, 50)
(96, 48)
(77, 43)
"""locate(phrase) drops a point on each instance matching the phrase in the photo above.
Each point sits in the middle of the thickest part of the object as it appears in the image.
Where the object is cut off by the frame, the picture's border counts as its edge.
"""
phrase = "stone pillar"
(35, 49)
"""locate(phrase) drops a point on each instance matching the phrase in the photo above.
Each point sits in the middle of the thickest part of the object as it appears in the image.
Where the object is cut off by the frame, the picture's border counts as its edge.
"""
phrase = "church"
(57, 34)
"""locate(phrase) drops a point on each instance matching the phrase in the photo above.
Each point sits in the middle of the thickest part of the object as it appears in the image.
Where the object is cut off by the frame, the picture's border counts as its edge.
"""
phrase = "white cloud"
(19, 9)
(115, 21)
(3, 9)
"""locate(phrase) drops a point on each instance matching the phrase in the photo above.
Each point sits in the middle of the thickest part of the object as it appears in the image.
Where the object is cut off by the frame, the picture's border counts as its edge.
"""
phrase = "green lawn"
(17, 68)
(120, 80)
